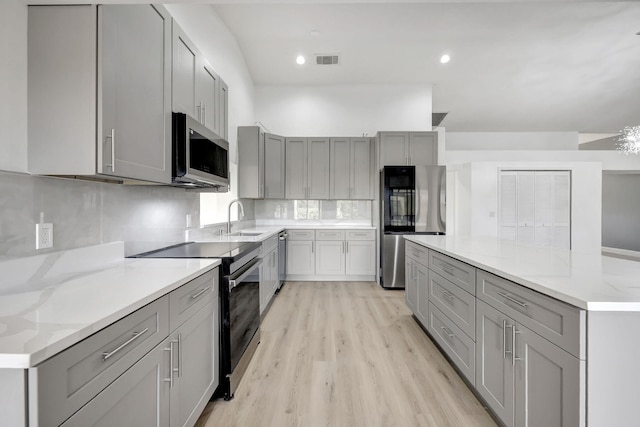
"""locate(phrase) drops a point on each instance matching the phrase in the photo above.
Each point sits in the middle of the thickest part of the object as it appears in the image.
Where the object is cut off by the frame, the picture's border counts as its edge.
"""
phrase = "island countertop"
(588, 281)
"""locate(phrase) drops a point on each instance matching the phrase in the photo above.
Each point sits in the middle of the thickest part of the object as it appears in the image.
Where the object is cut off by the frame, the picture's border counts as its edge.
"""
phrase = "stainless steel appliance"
(200, 156)
(239, 302)
(412, 201)
(282, 259)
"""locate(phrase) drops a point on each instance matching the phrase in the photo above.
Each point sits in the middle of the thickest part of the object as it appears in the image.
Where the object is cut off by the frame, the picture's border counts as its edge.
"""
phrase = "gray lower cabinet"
(525, 379)
(140, 397)
(417, 281)
(157, 366)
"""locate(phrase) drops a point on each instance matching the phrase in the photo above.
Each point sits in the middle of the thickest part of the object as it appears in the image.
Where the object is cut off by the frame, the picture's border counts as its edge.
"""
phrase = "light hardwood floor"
(345, 354)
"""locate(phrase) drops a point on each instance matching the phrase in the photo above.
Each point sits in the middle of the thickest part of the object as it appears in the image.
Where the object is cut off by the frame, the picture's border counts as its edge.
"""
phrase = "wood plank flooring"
(345, 354)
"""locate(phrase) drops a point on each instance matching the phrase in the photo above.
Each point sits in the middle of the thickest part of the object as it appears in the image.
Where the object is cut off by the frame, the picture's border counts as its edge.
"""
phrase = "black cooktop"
(223, 250)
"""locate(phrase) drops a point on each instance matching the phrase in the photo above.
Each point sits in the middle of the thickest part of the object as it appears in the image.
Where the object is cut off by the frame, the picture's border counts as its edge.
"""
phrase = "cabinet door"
(393, 149)
(134, 76)
(184, 73)
(422, 283)
(547, 383)
(330, 258)
(139, 397)
(194, 344)
(340, 167)
(222, 127)
(360, 179)
(300, 257)
(494, 364)
(411, 285)
(423, 148)
(318, 168)
(208, 82)
(274, 166)
(361, 257)
(296, 168)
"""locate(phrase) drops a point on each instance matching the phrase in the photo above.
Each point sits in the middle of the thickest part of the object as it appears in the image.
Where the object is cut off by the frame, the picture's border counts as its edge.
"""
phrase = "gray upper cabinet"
(197, 90)
(100, 70)
(261, 164)
(307, 168)
(408, 148)
(350, 169)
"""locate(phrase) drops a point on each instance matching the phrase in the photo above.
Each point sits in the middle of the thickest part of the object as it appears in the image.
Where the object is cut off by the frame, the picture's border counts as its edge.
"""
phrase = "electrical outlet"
(44, 236)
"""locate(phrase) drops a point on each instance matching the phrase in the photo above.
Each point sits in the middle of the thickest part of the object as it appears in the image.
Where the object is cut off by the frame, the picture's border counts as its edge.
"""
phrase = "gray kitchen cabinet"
(330, 259)
(418, 276)
(269, 279)
(350, 169)
(223, 111)
(196, 88)
(99, 91)
(307, 168)
(407, 148)
(140, 397)
(410, 285)
(301, 257)
(261, 164)
(360, 257)
(196, 377)
(525, 379)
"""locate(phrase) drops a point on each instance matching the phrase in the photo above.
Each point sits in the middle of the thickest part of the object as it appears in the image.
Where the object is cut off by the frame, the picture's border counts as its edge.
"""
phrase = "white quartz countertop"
(51, 302)
(588, 281)
(263, 232)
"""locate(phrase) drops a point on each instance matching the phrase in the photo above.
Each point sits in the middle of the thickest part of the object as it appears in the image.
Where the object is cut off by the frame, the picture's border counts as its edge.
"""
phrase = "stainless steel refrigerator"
(412, 201)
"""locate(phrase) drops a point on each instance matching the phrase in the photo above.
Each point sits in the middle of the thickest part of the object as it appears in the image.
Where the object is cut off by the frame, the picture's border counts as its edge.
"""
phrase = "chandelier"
(629, 140)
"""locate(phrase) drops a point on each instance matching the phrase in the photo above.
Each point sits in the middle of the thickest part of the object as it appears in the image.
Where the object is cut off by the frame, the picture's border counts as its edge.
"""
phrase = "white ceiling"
(516, 66)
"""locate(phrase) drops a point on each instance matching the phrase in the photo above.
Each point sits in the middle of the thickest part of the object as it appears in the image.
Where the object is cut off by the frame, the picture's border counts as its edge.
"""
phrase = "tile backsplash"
(87, 213)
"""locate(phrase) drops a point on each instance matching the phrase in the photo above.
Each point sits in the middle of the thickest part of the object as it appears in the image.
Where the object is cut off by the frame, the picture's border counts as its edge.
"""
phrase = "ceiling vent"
(327, 60)
(437, 118)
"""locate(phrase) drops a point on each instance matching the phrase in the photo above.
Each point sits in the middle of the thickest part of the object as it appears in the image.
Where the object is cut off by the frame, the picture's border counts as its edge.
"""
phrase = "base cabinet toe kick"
(521, 352)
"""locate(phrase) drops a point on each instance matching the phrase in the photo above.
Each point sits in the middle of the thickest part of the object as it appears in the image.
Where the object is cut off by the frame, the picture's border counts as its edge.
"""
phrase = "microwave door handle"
(239, 276)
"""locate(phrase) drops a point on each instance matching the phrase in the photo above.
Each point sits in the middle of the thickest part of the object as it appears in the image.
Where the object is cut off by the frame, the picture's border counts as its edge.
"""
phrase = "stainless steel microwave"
(200, 156)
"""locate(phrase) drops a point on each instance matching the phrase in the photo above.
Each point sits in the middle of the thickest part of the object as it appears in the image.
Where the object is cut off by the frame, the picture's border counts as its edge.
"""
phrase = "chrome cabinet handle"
(313, 246)
(199, 108)
(170, 350)
(342, 247)
(198, 294)
(504, 340)
(514, 333)
(179, 355)
(447, 332)
(112, 137)
(513, 300)
(447, 269)
(136, 335)
(448, 294)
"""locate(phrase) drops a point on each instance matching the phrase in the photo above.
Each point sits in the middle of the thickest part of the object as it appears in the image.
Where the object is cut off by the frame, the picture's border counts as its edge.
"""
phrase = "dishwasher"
(282, 259)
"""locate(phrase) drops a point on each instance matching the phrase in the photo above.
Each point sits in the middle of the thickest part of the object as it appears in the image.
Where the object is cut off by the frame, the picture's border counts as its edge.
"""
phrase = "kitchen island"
(544, 336)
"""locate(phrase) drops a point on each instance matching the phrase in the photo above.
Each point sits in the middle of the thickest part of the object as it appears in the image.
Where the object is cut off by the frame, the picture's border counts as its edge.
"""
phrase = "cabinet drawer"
(185, 301)
(417, 253)
(459, 306)
(330, 234)
(458, 272)
(560, 323)
(63, 384)
(301, 234)
(455, 343)
(361, 234)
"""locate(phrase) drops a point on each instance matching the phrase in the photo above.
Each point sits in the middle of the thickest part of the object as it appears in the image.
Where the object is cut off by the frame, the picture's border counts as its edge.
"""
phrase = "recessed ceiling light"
(444, 59)
(300, 60)
(314, 33)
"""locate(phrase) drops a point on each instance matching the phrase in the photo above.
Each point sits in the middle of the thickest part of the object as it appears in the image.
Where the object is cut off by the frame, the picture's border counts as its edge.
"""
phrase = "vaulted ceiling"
(515, 66)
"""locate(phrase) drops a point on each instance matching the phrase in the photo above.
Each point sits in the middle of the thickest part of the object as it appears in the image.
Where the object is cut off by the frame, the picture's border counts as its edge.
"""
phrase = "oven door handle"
(242, 274)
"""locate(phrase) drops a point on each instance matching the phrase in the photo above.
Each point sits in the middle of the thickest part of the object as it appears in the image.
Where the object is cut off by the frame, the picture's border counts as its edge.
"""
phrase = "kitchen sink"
(244, 234)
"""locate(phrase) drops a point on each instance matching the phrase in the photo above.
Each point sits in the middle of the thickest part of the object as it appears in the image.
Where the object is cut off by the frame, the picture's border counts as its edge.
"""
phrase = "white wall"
(13, 86)
(343, 110)
(212, 37)
(473, 193)
(512, 140)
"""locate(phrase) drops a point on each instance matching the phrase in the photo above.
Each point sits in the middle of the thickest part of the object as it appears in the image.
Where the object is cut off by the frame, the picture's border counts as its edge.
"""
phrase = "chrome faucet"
(229, 213)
